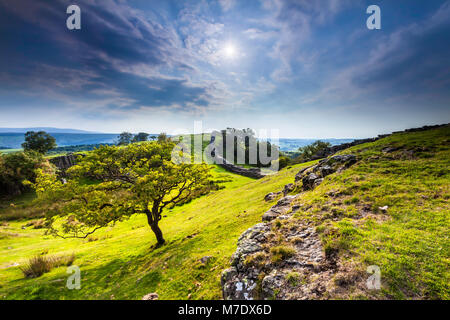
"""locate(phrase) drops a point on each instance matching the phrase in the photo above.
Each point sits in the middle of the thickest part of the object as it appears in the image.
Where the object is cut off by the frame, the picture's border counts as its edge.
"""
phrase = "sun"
(230, 51)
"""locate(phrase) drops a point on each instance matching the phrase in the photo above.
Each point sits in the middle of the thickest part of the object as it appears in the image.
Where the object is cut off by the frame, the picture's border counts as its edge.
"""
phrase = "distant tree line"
(126, 138)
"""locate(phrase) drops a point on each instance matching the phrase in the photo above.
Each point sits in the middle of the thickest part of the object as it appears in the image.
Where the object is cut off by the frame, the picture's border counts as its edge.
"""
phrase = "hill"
(15, 140)
(388, 209)
(46, 129)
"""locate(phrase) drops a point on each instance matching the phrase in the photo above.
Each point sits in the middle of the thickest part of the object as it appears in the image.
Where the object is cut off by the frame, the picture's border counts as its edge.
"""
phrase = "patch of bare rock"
(303, 271)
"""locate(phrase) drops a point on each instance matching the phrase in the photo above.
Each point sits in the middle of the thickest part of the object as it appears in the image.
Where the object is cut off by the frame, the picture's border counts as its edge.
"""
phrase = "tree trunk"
(153, 219)
(158, 233)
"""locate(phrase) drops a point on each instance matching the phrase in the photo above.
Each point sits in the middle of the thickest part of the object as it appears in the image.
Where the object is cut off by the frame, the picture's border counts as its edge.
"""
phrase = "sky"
(310, 69)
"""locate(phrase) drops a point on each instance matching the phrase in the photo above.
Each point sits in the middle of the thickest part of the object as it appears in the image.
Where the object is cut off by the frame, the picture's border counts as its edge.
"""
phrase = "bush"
(283, 161)
(306, 152)
(281, 253)
(40, 264)
(17, 167)
(293, 278)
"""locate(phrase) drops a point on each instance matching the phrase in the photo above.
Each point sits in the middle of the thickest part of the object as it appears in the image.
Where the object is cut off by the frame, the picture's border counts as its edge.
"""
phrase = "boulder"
(205, 259)
(288, 188)
(308, 181)
(313, 176)
(271, 196)
(270, 285)
(281, 207)
(151, 296)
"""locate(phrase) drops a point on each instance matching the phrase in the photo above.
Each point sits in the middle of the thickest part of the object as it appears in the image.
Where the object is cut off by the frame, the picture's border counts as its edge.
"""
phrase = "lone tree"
(40, 142)
(141, 136)
(125, 138)
(308, 151)
(138, 178)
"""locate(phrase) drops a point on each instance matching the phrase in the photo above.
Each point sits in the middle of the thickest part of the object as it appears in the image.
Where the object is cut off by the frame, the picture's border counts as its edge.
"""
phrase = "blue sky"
(311, 69)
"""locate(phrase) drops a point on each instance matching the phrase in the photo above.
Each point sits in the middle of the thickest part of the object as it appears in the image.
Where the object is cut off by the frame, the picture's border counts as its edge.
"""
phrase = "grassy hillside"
(121, 262)
(409, 241)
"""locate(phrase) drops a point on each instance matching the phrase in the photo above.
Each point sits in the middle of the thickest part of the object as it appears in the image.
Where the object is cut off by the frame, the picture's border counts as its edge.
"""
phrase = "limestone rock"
(151, 296)
(271, 196)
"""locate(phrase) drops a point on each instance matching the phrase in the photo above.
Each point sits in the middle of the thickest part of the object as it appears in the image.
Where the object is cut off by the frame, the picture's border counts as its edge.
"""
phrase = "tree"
(138, 178)
(124, 138)
(308, 151)
(40, 141)
(18, 167)
(141, 136)
(163, 137)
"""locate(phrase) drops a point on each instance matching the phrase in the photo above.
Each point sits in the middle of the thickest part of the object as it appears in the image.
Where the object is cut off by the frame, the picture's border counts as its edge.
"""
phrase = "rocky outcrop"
(326, 152)
(250, 277)
(247, 172)
(239, 282)
(64, 162)
(282, 206)
(313, 176)
(257, 273)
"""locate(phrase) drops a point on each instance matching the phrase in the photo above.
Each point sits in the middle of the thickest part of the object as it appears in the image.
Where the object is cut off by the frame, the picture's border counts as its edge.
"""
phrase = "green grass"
(121, 262)
(6, 151)
(410, 242)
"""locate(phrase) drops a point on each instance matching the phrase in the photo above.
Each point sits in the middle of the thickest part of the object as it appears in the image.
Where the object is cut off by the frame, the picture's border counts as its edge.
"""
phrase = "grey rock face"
(271, 196)
(271, 284)
(288, 188)
(251, 172)
(313, 176)
(282, 206)
(308, 181)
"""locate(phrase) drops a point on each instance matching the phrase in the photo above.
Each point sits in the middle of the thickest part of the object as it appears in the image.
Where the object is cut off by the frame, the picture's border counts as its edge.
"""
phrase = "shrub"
(292, 278)
(281, 253)
(256, 260)
(40, 264)
(18, 167)
(308, 151)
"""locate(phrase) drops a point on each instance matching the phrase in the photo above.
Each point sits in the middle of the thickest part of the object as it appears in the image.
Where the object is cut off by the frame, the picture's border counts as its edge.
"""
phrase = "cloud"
(410, 66)
(293, 22)
(119, 53)
(227, 4)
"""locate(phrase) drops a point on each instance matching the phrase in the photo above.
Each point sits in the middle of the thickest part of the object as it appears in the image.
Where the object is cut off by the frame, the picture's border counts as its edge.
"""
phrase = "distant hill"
(46, 129)
(14, 140)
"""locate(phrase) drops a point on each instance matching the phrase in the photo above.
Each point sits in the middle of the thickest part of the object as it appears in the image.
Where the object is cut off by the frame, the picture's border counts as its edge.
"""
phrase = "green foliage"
(163, 137)
(76, 148)
(283, 161)
(124, 138)
(40, 264)
(138, 178)
(39, 141)
(140, 137)
(122, 265)
(293, 278)
(18, 167)
(281, 252)
(308, 151)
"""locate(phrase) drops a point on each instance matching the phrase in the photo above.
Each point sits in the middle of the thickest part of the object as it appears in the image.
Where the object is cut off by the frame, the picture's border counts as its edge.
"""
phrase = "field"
(122, 263)
(406, 173)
